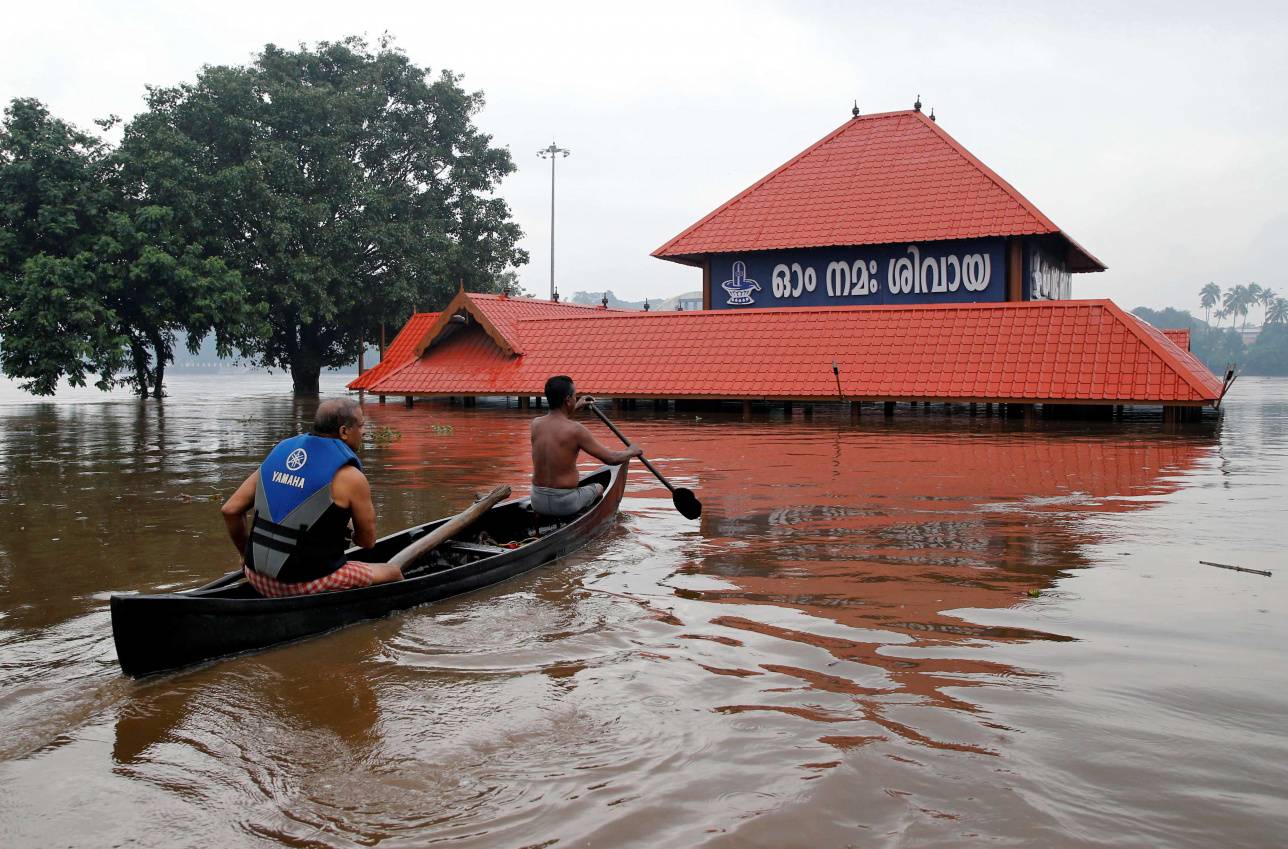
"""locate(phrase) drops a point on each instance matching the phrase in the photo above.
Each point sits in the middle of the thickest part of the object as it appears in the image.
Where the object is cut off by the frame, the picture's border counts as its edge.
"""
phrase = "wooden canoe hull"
(155, 633)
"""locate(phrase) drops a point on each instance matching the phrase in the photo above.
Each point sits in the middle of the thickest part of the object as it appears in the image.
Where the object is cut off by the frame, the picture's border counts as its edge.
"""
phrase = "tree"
(344, 184)
(1236, 302)
(1277, 311)
(1268, 298)
(1269, 354)
(1209, 296)
(93, 281)
(1254, 299)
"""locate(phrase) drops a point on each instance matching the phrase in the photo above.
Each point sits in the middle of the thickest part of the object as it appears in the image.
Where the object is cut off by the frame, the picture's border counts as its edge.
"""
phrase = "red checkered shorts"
(349, 576)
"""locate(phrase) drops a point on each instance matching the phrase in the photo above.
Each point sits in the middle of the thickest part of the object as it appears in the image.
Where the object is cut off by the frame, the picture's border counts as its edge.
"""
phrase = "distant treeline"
(283, 209)
(1220, 347)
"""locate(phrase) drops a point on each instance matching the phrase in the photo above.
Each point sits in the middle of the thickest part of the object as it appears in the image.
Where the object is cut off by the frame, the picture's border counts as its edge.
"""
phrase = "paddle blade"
(687, 503)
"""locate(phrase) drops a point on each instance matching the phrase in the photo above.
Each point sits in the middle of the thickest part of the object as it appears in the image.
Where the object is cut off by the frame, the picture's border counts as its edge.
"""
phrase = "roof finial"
(554, 296)
(855, 111)
(932, 113)
(460, 285)
(916, 107)
(646, 307)
(604, 301)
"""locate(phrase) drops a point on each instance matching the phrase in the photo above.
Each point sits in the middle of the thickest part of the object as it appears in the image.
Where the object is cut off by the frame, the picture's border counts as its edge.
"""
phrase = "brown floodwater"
(932, 630)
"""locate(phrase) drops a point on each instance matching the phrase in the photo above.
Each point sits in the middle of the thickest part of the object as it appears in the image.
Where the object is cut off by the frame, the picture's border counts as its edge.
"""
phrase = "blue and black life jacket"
(299, 533)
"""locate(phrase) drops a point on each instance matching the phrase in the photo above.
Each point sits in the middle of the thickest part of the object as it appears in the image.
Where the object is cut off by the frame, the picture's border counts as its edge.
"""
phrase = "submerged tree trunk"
(306, 362)
(142, 374)
(161, 356)
(305, 372)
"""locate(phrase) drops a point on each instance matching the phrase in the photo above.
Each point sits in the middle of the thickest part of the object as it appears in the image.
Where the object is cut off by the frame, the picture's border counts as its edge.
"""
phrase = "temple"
(883, 264)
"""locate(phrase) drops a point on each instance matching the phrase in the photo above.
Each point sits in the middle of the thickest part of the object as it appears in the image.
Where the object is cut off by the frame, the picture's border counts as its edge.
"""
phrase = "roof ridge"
(765, 179)
(997, 179)
(544, 302)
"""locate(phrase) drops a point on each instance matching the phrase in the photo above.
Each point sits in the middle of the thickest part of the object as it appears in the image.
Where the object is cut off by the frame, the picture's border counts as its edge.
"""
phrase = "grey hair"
(335, 413)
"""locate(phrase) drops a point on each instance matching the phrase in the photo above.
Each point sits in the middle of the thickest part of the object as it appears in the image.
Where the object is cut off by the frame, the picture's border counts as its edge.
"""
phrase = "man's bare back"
(557, 439)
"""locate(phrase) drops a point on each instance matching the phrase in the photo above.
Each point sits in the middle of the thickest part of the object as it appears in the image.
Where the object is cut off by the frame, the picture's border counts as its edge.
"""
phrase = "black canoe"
(155, 633)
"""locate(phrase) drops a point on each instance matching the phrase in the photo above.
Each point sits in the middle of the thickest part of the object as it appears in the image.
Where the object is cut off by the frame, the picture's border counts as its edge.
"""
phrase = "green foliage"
(344, 184)
(1269, 354)
(94, 278)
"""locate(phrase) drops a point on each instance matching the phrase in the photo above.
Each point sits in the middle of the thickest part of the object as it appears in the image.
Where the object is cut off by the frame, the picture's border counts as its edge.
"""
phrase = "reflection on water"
(918, 631)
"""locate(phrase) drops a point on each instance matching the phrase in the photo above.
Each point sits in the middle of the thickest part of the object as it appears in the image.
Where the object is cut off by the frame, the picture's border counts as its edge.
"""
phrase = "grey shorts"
(548, 501)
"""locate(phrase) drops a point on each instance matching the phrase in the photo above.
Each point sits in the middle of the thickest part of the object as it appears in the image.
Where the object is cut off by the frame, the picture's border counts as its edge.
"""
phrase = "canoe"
(166, 631)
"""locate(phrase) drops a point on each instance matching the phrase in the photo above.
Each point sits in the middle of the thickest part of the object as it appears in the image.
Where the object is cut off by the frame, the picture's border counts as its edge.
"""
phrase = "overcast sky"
(1155, 134)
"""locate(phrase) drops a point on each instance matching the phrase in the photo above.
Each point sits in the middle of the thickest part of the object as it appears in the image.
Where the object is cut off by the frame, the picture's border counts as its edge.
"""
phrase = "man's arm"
(587, 442)
(234, 511)
(350, 489)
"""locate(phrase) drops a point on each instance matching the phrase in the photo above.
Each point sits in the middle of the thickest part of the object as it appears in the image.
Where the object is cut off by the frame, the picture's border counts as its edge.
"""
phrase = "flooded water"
(924, 631)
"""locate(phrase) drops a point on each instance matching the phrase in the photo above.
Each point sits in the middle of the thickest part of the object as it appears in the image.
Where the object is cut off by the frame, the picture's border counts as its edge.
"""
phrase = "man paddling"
(305, 495)
(556, 441)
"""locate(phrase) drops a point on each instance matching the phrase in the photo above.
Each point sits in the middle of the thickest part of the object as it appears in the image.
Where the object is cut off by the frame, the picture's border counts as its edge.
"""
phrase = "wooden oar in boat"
(685, 501)
(448, 529)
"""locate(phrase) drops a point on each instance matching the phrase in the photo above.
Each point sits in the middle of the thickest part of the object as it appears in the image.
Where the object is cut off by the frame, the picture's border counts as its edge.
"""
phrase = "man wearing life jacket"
(305, 495)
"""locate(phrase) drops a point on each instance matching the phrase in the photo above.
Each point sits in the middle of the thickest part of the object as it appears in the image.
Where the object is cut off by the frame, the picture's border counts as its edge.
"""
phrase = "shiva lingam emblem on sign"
(740, 288)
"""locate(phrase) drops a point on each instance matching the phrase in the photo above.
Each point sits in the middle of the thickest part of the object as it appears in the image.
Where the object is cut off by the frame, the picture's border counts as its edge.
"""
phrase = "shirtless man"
(304, 497)
(556, 441)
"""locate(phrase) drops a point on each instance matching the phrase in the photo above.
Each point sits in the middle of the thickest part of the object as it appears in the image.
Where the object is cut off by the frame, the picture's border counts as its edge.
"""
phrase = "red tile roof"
(1056, 351)
(498, 316)
(1180, 337)
(877, 179)
(399, 352)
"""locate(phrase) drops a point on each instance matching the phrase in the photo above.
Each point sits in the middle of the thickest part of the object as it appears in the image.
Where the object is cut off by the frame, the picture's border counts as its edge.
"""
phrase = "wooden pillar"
(380, 398)
(889, 409)
(972, 409)
(787, 408)
(523, 402)
(746, 410)
(1014, 270)
(809, 411)
(408, 401)
(856, 409)
(988, 409)
(706, 284)
(362, 358)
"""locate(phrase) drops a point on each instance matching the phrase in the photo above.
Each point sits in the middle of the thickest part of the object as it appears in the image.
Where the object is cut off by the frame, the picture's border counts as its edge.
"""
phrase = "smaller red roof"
(1180, 337)
(498, 316)
(887, 178)
(399, 352)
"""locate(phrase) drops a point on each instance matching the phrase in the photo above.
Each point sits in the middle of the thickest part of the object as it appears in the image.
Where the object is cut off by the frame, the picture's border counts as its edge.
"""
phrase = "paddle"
(448, 529)
(685, 501)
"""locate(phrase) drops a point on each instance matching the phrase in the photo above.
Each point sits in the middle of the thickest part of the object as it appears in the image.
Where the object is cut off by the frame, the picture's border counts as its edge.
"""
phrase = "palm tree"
(1277, 311)
(1268, 297)
(1254, 298)
(1209, 296)
(1236, 301)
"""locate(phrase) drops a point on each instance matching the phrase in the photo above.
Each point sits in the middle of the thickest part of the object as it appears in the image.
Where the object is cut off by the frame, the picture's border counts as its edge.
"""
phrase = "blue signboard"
(922, 273)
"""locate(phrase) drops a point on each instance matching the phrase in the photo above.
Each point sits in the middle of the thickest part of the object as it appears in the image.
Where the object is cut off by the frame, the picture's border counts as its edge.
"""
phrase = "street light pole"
(552, 153)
